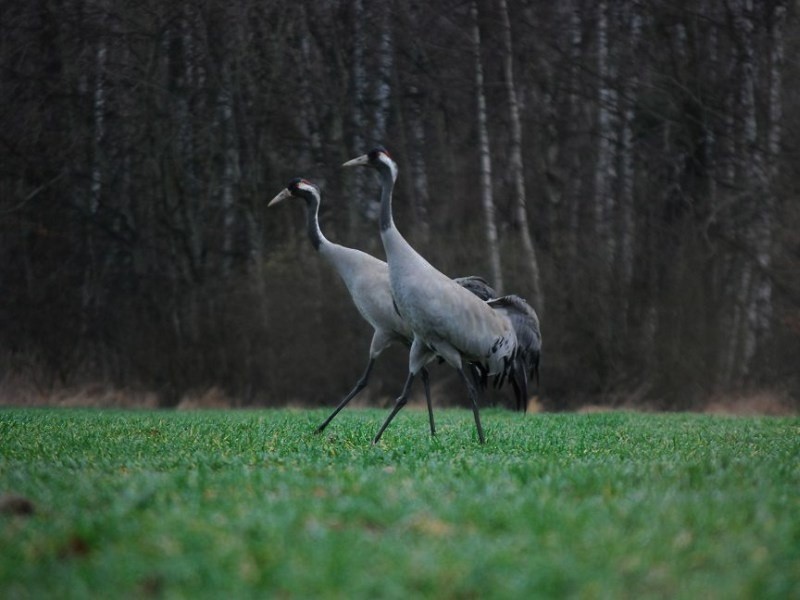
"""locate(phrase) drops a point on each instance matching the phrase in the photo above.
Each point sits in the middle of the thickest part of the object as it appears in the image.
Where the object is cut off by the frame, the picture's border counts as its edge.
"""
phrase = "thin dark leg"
(426, 383)
(360, 385)
(519, 381)
(517, 393)
(399, 403)
(473, 395)
(476, 376)
(523, 384)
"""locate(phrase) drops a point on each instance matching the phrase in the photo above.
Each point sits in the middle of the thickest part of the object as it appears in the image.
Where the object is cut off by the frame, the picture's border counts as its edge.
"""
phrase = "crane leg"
(517, 394)
(519, 381)
(426, 383)
(360, 385)
(524, 387)
(399, 403)
(473, 395)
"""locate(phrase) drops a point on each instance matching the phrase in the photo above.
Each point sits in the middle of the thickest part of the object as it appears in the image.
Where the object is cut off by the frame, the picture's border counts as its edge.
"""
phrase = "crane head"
(298, 188)
(377, 158)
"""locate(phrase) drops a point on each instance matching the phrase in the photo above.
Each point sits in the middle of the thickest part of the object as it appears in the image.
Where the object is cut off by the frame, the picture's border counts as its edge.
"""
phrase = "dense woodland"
(628, 167)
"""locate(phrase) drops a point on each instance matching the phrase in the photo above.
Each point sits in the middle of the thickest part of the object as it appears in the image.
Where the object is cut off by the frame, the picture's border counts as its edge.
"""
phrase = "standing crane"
(447, 320)
(367, 281)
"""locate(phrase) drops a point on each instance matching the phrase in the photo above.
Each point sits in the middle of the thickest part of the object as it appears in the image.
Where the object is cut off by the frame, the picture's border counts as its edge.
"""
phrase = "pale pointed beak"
(280, 197)
(358, 162)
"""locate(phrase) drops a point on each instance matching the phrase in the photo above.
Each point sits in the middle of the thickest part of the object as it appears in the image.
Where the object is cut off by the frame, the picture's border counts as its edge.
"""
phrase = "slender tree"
(605, 165)
(487, 194)
(517, 167)
(626, 225)
(358, 192)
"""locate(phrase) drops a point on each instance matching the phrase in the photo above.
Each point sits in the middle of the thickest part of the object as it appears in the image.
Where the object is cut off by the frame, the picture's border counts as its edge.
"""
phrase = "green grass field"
(253, 504)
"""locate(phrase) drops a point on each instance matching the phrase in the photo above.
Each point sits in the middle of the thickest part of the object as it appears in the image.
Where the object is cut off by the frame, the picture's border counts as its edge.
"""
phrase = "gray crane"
(447, 320)
(367, 281)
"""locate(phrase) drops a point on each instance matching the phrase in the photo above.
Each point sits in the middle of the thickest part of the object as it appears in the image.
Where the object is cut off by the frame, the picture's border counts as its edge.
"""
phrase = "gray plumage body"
(446, 319)
(367, 281)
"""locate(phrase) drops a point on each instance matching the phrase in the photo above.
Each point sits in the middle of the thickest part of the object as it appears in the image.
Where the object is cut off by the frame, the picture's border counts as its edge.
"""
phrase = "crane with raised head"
(367, 281)
(447, 320)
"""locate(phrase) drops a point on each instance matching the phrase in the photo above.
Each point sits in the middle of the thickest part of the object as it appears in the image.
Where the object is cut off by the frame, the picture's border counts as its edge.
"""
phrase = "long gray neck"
(387, 183)
(312, 221)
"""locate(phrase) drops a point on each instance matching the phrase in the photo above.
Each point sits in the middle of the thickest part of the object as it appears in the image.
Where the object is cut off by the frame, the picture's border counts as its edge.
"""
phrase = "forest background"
(628, 167)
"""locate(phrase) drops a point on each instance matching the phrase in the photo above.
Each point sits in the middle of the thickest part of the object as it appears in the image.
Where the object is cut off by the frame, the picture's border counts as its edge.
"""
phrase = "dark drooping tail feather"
(519, 381)
(477, 285)
(534, 369)
(525, 362)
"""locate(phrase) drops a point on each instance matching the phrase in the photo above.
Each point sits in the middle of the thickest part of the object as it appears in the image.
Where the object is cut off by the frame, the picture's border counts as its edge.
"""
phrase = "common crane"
(367, 281)
(446, 319)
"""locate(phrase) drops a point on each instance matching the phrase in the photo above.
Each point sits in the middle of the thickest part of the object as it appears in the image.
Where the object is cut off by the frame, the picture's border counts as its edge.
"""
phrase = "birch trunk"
(755, 309)
(517, 167)
(188, 80)
(382, 95)
(777, 56)
(416, 100)
(487, 199)
(309, 114)
(576, 117)
(419, 168)
(230, 167)
(604, 168)
(765, 237)
(99, 111)
(383, 88)
(91, 275)
(626, 222)
(358, 188)
(754, 287)
(730, 265)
